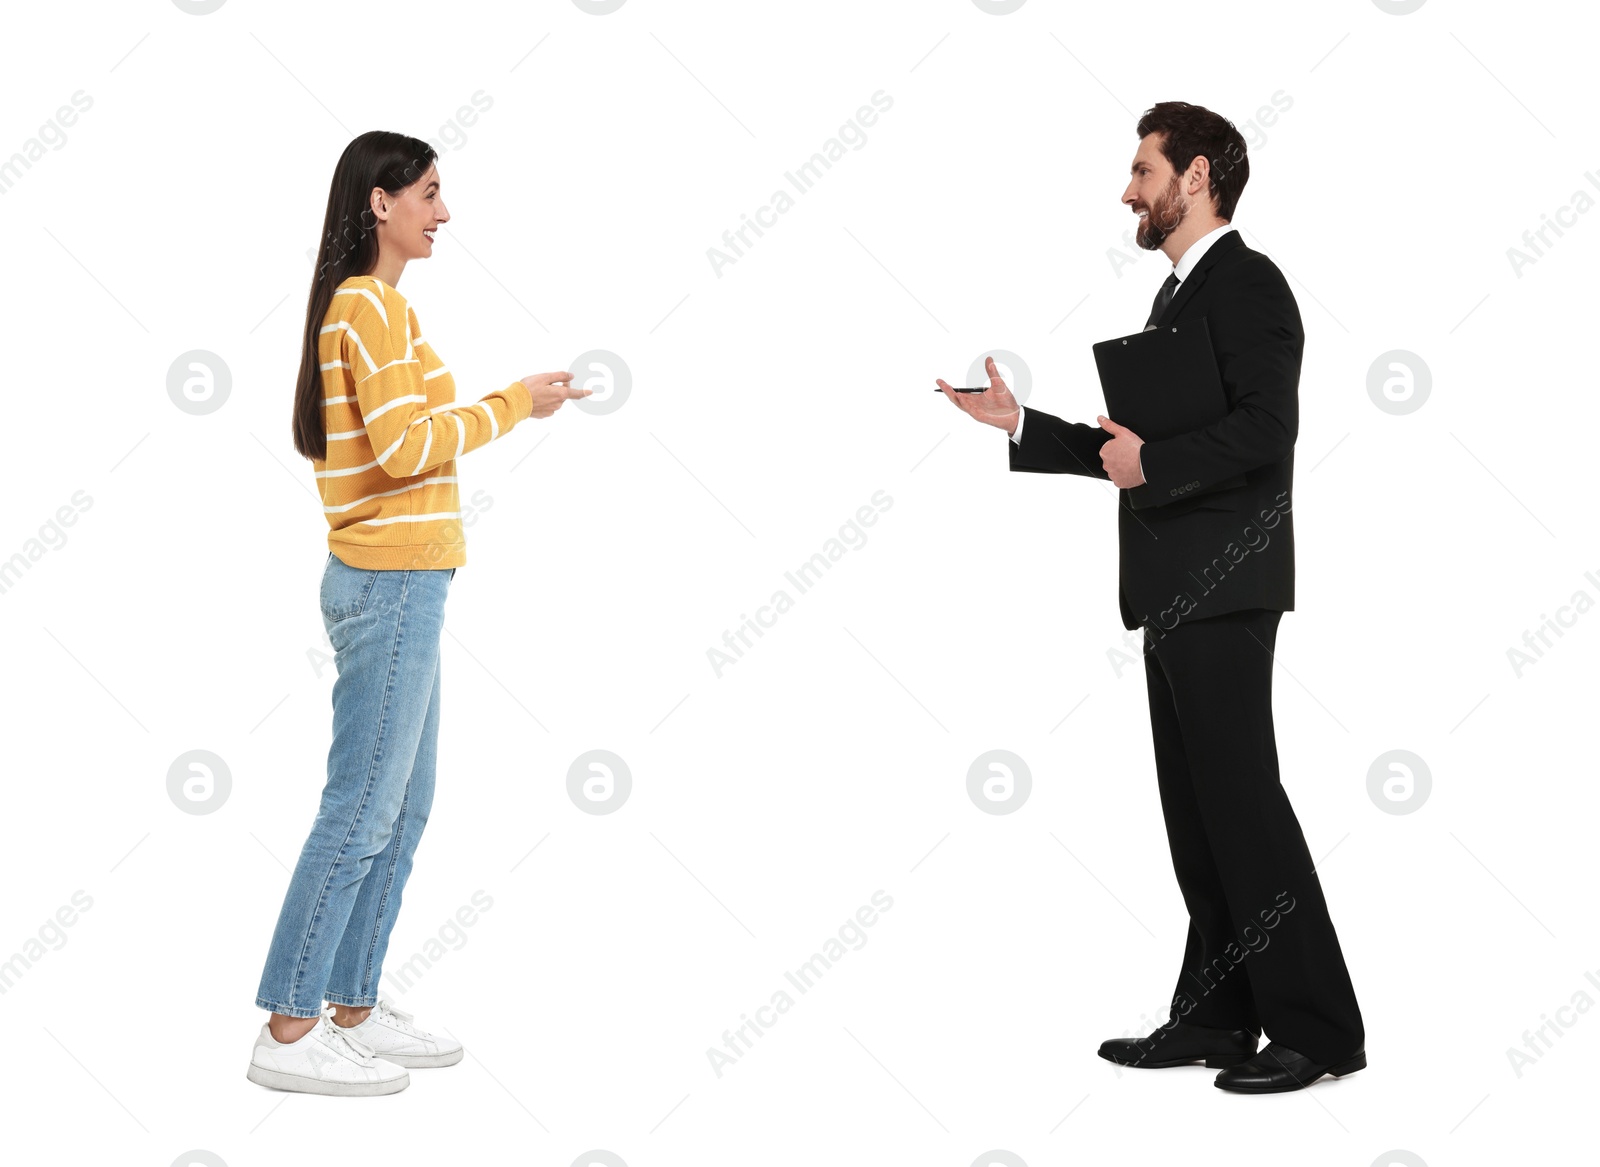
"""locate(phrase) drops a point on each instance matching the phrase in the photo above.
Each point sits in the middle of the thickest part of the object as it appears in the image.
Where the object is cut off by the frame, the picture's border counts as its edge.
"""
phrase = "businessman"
(1207, 570)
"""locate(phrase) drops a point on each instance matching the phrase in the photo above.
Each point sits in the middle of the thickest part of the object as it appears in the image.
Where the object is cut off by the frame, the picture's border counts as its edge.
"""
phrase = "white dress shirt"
(1182, 268)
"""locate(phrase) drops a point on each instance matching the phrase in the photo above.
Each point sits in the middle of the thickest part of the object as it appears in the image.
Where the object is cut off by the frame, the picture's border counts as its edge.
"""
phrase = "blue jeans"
(345, 892)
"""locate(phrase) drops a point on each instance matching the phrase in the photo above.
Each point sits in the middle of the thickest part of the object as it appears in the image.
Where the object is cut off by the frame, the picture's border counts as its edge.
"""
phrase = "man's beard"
(1166, 214)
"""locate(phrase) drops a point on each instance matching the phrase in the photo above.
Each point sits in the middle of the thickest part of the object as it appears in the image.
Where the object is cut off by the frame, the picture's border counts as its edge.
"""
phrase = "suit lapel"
(1187, 289)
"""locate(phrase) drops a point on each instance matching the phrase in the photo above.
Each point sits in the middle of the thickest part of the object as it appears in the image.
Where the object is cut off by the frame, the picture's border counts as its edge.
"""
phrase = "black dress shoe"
(1179, 1045)
(1278, 1068)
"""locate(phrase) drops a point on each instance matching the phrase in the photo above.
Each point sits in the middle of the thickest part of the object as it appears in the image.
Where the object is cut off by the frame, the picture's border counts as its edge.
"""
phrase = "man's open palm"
(994, 406)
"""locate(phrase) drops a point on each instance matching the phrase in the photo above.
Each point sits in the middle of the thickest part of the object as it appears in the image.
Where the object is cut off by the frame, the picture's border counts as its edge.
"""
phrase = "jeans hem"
(286, 1010)
(350, 1002)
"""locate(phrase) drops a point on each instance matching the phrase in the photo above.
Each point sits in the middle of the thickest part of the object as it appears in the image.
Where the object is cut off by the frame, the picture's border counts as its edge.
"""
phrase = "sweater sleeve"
(406, 436)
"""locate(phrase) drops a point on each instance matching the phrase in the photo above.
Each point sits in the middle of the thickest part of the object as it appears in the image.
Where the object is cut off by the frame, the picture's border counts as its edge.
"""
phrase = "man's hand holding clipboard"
(1120, 456)
(1162, 382)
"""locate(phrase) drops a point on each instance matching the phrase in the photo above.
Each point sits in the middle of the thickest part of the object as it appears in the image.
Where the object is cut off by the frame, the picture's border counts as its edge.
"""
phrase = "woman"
(375, 412)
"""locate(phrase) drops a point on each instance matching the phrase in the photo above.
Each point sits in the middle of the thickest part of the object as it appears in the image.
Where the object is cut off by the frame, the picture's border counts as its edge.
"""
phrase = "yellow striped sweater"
(394, 432)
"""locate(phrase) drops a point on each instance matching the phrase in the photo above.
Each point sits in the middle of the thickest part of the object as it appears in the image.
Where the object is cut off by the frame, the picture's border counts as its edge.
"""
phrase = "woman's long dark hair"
(349, 248)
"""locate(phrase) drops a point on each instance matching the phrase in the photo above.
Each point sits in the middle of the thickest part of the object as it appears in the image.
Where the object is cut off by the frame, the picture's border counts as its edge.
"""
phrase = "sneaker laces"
(332, 1034)
(399, 1018)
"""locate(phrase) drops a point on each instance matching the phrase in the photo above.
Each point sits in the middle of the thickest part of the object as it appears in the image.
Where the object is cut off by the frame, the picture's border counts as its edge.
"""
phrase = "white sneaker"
(388, 1032)
(327, 1060)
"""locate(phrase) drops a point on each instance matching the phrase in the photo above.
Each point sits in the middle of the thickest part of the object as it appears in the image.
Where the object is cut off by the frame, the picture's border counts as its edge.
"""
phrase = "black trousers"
(1262, 953)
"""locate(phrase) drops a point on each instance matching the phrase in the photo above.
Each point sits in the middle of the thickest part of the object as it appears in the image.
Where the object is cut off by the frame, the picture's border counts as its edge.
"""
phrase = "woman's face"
(406, 221)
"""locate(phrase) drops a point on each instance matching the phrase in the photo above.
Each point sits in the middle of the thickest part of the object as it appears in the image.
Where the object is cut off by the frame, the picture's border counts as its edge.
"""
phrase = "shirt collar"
(1186, 262)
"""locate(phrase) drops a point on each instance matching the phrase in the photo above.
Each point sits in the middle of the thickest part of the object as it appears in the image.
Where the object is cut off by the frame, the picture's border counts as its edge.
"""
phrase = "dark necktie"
(1163, 298)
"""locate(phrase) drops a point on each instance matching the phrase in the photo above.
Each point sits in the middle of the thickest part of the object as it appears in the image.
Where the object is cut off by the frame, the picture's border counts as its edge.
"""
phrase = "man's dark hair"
(1192, 130)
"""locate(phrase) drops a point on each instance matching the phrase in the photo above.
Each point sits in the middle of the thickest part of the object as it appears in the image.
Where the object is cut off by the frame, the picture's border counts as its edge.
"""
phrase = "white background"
(768, 404)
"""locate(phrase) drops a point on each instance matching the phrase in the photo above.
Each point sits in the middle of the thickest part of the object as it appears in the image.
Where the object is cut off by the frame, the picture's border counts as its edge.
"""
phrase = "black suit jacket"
(1185, 552)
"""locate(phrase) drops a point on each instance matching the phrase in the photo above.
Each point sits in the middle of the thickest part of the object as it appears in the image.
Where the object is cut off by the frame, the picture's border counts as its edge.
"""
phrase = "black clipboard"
(1164, 382)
